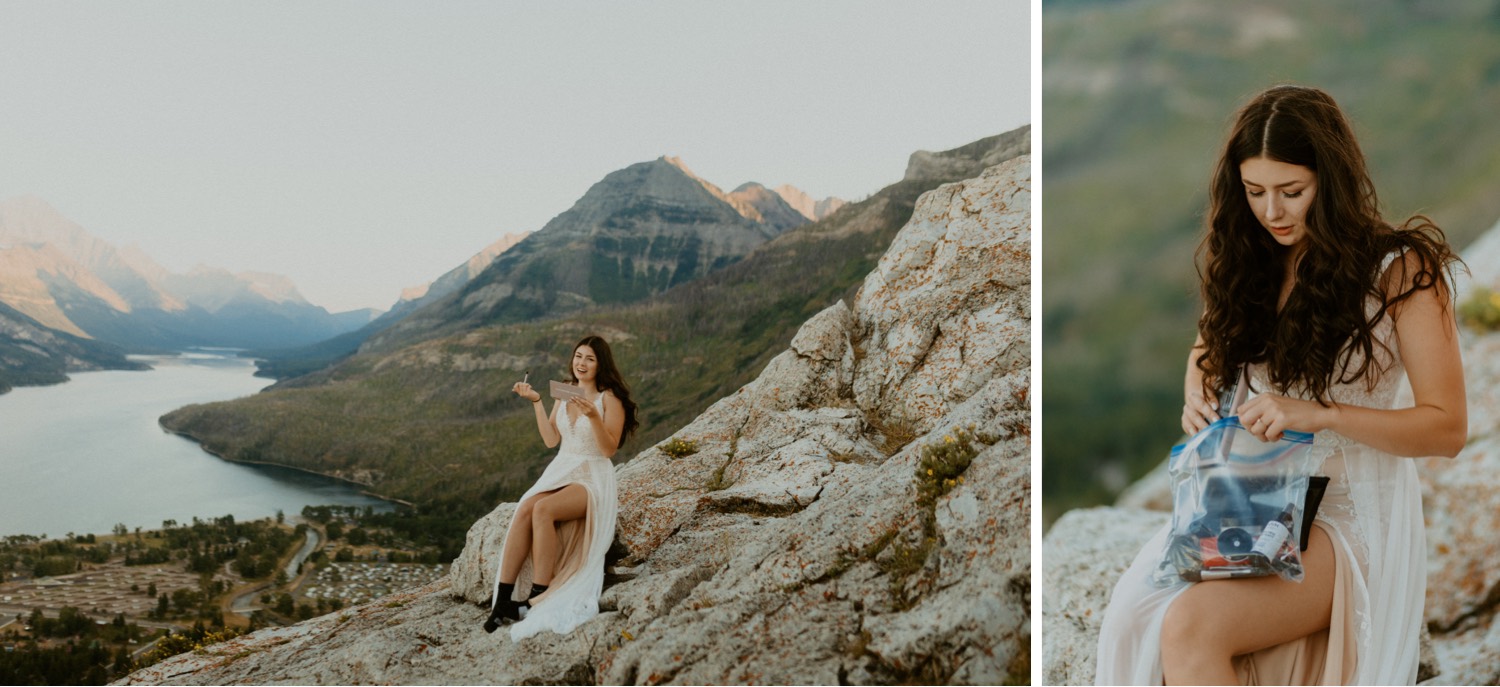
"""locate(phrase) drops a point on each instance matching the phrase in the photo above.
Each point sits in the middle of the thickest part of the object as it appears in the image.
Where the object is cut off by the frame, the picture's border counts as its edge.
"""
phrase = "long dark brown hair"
(607, 378)
(1324, 323)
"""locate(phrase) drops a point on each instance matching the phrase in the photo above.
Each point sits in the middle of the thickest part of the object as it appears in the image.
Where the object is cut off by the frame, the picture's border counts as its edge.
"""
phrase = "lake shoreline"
(88, 454)
(363, 488)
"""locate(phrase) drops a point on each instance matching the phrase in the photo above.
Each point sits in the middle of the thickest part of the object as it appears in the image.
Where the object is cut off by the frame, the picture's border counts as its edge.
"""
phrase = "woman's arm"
(1198, 410)
(547, 426)
(1437, 423)
(607, 427)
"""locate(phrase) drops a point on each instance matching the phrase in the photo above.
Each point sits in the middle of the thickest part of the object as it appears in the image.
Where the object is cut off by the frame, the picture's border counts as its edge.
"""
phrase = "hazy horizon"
(362, 148)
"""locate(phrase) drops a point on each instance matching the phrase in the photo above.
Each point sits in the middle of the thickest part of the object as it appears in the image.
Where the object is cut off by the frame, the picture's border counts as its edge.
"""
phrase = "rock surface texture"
(1086, 550)
(805, 541)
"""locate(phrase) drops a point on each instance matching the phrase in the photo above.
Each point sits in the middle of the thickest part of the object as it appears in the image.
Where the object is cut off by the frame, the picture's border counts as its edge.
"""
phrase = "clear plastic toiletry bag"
(1237, 505)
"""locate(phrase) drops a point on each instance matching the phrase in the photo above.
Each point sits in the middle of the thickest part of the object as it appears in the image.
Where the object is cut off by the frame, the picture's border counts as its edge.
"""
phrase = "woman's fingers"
(523, 390)
(1263, 420)
(584, 406)
(1197, 413)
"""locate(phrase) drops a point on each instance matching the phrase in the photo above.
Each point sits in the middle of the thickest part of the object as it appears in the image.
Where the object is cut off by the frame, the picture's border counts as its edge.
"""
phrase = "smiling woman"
(1325, 307)
(565, 523)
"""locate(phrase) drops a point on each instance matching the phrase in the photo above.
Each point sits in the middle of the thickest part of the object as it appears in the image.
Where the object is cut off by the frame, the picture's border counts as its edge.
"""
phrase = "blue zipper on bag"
(1233, 422)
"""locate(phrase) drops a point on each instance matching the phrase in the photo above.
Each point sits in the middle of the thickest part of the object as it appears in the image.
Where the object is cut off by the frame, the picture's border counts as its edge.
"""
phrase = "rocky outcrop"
(1086, 550)
(927, 165)
(858, 514)
(1084, 553)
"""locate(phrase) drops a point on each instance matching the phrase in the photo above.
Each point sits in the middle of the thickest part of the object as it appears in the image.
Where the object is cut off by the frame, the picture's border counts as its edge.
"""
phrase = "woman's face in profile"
(1280, 194)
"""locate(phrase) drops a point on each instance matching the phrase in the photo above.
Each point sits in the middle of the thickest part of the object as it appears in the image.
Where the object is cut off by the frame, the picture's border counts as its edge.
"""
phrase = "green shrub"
(1481, 311)
(944, 463)
(174, 644)
(679, 448)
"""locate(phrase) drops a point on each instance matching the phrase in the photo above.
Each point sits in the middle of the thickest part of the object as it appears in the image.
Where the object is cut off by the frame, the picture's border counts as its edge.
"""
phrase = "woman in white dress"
(565, 523)
(1327, 307)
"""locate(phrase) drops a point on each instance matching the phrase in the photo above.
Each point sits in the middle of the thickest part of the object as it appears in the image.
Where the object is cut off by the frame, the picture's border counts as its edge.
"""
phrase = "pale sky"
(363, 147)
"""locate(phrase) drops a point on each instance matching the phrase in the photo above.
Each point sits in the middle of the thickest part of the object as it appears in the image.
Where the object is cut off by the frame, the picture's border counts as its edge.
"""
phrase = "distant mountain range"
(60, 277)
(635, 233)
(696, 290)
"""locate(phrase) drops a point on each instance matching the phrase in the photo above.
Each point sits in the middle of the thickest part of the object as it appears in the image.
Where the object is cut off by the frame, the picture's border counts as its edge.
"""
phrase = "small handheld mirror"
(564, 392)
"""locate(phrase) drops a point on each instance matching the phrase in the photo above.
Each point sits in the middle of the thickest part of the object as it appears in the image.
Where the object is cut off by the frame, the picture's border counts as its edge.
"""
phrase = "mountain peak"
(803, 203)
(744, 209)
(770, 207)
(28, 218)
(677, 162)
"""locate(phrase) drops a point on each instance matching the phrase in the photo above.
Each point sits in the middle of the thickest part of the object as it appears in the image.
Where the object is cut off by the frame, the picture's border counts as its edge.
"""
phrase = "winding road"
(247, 602)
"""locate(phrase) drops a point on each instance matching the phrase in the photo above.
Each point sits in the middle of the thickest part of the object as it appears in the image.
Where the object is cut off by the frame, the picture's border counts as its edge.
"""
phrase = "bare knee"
(523, 512)
(545, 511)
(1191, 631)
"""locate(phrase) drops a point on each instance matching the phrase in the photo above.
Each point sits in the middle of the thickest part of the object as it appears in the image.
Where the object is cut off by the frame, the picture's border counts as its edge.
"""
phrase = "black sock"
(536, 590)
(503, 594)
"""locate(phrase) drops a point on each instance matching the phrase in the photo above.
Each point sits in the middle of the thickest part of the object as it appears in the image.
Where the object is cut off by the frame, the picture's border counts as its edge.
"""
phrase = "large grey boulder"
(1083, 556)
(805, 541)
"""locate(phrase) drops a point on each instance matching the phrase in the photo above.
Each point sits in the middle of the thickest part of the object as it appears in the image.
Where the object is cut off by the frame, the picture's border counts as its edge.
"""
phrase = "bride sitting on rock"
(1326, 306)
(565, 523)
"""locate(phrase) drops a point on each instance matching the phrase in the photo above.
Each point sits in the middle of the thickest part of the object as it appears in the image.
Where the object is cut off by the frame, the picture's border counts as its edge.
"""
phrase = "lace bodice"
(1387, 372)
(577, 431)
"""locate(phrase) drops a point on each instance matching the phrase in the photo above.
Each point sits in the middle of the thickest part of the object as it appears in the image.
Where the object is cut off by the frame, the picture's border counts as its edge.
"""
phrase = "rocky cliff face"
(1086, 550)
(858, 514)
(925, 164)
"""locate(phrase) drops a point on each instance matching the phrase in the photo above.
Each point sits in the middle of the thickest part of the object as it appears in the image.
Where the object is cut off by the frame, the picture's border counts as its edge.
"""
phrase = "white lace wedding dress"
(573, 596)
(1372, 511)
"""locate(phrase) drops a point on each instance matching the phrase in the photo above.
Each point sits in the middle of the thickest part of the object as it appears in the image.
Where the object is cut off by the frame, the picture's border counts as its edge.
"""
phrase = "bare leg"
(1212, 622)
(569, 503)
(518, 542)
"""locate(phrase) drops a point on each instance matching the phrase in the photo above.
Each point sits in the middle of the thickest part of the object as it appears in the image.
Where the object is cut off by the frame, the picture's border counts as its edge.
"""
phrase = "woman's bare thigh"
(568, 503)
(1247, 615)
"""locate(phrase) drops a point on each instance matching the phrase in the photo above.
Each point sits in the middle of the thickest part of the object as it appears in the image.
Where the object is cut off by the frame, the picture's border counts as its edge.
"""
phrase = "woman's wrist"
(1328, 418)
